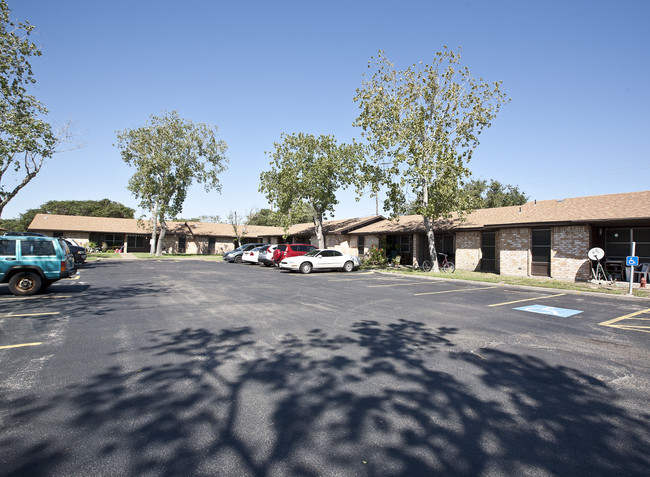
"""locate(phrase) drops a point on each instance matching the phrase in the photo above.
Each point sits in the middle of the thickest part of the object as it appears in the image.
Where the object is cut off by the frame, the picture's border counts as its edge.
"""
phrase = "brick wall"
(514, 251)
(468, 250)
(569, 249)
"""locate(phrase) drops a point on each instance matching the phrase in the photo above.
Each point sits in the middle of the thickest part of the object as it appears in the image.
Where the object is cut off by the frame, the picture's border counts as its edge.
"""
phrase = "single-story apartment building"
(548, 238)
(132, 235)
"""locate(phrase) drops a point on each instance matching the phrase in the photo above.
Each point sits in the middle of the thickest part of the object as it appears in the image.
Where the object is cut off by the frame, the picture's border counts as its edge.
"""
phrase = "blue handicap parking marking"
(549, 310)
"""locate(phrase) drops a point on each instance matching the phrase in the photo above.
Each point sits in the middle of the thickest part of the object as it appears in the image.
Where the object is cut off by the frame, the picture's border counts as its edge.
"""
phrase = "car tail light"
(63, 265)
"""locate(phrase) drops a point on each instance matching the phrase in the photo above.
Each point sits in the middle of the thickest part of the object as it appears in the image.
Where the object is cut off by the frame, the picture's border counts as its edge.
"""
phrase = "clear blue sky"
(578, 73)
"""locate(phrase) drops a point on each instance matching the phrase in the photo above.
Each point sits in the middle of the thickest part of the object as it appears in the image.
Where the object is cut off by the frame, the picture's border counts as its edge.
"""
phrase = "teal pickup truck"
(30, 264)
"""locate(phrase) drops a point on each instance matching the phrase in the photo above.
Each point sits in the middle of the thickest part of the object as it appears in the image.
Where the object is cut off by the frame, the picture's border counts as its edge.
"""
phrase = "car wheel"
(305, 267)
(237, 260)
(348, 267)
(267, 264)
(25, 283)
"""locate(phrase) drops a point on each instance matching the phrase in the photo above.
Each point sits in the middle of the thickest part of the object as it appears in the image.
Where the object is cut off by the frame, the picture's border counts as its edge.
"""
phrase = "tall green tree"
(486, 195)
(170, 154)
(301, 213)
(311, 169)
(423, 124)
(26, 140)
(89, 208)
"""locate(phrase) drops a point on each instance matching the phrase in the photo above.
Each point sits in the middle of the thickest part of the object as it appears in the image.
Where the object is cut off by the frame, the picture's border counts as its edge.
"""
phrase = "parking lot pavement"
(193, 367)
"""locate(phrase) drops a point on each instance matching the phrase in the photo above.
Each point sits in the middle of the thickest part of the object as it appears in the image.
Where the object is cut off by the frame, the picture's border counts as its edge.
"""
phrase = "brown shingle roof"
(598, 208)
(342, 226)
(612, 207)
(70, 223)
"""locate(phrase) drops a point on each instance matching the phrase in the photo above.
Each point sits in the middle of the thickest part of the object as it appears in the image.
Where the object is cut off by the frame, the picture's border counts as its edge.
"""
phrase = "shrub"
(376, 256)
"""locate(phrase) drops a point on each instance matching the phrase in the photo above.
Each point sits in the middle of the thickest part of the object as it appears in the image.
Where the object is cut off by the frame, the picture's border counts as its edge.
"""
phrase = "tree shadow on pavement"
(375, 400)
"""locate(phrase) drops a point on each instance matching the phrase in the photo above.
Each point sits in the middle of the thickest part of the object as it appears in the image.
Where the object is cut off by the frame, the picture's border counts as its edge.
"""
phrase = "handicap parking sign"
(549, 310)
(631, 261)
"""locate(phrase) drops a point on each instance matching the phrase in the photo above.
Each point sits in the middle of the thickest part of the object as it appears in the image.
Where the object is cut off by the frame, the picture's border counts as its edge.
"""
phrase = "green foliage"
(376, 257)
(301, 213)
(422, 125)
(311, 169)
(25, 139)
(89, 208)
(494, 194)
(169, 154)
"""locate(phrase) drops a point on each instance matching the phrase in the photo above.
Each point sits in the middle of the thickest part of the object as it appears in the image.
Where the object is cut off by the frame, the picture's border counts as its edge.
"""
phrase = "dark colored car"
(236, 255)
(290, 250)
(76, 250)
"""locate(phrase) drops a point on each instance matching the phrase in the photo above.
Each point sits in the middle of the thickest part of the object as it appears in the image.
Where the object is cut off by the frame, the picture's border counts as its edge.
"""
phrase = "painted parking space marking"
(395, 284)
(366, 277)
(549, 310)
(631, 321)
(20, 345)
(15, 298)
(454, 291)
(527, 299)
(30, 314)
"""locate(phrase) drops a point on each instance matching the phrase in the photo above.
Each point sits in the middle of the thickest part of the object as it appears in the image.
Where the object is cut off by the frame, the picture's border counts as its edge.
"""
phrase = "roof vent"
(560, 200)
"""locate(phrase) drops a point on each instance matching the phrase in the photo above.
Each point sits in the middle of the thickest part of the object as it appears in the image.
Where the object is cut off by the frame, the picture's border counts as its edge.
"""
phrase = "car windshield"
(312, 253)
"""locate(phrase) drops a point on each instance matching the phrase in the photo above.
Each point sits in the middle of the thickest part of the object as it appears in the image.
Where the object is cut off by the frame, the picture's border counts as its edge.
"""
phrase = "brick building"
(548, 238)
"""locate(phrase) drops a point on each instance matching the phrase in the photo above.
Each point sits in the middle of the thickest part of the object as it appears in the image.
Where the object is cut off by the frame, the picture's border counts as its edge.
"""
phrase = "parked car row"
(293, 257)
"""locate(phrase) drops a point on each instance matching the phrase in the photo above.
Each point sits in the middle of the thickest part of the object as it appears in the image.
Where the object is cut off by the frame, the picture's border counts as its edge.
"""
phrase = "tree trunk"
(318, 226)
(428, 227)
(163, 230)
(154, 229)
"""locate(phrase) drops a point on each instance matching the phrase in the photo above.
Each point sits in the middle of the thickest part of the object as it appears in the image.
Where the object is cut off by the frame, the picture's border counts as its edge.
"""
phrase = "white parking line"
(36, 297)
(30, 314)
(453, 291)
(20, 345)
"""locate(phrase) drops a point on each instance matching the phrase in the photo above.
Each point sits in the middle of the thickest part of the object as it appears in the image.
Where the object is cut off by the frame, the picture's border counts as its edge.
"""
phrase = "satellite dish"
(596, 253)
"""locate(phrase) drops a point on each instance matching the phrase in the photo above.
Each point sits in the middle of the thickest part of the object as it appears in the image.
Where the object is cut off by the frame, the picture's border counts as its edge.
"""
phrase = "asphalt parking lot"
(204, 368)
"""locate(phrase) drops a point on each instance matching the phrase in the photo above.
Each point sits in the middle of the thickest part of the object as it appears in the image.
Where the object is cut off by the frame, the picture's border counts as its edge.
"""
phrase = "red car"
(290, 250)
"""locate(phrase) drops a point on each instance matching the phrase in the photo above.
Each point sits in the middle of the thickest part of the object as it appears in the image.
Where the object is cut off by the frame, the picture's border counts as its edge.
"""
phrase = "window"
(136, 241)
(8, 247)
(114, 240)
(36, 248)
(361, 244)
(618, 243)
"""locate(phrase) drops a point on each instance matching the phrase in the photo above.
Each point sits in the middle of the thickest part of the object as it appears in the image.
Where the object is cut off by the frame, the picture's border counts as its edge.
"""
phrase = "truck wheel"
(25, 283)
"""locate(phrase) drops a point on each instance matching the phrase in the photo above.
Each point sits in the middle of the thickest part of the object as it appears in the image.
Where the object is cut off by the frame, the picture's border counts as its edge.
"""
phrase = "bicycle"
(445, 265)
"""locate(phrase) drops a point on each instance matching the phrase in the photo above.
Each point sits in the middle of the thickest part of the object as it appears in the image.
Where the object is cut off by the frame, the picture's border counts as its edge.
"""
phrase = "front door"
(541, 250)
(181, 244)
